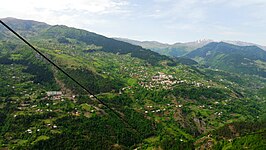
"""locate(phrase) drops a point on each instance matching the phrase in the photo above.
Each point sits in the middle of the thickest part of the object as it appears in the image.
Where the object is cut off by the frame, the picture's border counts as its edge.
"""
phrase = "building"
(54, 94)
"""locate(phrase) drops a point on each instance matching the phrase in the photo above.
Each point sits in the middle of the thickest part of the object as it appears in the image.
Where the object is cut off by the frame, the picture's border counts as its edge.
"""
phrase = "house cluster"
(54, 95)
(218, 113)
(52, 126)
(162, 77)
(24, 105)
(30, 131)
(133, 71)
(202, 106)
(160, 80)
(154, 109)
(197, 84)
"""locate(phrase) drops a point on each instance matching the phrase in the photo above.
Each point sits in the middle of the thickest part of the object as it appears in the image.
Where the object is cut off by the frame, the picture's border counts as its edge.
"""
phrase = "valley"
(169, 104)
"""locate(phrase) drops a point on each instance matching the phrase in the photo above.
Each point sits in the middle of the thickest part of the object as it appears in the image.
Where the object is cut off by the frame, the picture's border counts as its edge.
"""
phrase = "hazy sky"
(161, 20)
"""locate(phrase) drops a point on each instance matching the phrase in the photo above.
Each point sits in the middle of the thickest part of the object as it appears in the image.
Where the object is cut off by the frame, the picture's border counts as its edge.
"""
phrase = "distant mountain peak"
(204, 41)
(241, 43)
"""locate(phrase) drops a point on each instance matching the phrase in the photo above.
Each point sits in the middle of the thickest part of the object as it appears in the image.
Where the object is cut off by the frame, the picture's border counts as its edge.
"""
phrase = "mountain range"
(232, 56)
(181, 49)
(211, 98)
(173, 50)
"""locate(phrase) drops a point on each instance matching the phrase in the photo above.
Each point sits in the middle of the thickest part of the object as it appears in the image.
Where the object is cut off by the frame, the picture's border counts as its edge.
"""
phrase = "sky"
(167, 21)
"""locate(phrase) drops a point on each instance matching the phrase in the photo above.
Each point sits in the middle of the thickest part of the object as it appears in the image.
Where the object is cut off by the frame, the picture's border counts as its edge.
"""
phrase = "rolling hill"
(232, 58)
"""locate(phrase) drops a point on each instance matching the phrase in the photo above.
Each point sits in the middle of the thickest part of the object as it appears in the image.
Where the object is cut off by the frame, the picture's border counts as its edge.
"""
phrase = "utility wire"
(69, 76)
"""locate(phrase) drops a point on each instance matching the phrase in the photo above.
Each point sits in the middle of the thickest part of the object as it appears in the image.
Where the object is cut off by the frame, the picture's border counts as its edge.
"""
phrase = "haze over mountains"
(233, 56)
(180, 49)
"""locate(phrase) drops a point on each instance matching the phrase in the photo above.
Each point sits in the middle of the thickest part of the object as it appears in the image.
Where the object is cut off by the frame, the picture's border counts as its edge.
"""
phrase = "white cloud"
(93, 6)
(249, 3)
(68, 12)
(92, 15)
(189, 18)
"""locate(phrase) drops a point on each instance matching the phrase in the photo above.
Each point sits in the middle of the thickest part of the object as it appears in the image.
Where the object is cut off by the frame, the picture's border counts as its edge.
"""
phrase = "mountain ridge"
(171, 106)
(229, 57)
(180, 49)
(34, 29)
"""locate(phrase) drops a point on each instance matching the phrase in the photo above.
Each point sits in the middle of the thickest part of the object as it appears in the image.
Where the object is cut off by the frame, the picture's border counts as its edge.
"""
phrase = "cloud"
(94, 15)
(61, 11)
(243, 3)
(181, 9)
(152, 19)
(93, 6)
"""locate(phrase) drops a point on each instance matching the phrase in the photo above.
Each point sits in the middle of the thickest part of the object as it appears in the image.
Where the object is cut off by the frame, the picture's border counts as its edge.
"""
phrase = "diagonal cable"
(69, 76)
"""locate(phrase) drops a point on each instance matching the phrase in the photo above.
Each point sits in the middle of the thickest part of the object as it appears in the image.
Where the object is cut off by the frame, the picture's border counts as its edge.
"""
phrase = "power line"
(73, 79)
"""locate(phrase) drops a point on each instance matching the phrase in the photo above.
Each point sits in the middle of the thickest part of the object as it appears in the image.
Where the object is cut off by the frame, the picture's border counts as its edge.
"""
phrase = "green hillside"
(169, 104)
(239, 59)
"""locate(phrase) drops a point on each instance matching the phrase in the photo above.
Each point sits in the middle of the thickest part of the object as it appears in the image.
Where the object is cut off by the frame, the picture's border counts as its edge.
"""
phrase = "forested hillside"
(168, 104)
(228, 57)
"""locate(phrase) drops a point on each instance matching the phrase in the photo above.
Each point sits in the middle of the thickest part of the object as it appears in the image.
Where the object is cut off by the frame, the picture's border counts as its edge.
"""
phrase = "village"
(151, 92)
